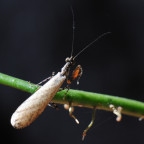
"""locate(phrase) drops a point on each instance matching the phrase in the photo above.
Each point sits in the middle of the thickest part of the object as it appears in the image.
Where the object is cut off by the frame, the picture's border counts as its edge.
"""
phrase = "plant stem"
(80, 98)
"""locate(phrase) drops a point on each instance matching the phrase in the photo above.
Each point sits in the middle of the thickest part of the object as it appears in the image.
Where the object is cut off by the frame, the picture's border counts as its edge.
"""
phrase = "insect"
(32, 107)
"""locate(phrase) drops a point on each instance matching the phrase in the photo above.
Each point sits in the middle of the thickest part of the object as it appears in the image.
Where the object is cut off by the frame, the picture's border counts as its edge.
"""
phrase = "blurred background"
(35, 39)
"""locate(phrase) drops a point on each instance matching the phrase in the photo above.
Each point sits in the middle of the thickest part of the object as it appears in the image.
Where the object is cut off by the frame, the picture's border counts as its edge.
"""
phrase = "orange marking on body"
(75, 73)
(68, 81)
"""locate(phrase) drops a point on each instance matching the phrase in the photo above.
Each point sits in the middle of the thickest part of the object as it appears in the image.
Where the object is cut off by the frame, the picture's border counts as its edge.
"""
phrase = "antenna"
(92, 43)
(73, 26)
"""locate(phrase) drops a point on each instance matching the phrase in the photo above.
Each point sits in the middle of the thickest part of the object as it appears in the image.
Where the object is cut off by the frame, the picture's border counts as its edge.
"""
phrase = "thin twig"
(80, 98)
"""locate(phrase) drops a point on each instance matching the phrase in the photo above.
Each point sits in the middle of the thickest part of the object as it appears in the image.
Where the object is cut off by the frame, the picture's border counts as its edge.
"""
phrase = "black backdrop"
(35, 39)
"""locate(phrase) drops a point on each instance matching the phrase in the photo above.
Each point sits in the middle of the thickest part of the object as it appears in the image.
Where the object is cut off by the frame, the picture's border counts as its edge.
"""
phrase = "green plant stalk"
(80, 98)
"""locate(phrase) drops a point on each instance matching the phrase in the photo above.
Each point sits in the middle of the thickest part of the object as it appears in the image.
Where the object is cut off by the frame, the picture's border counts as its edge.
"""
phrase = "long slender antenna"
(92, 43)
(73, 27)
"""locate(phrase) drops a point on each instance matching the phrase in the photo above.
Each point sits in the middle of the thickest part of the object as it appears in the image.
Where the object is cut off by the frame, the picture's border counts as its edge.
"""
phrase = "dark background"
(35, 39)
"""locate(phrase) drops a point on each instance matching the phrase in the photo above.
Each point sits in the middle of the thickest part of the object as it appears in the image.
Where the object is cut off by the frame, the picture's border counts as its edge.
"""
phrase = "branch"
(81, 98)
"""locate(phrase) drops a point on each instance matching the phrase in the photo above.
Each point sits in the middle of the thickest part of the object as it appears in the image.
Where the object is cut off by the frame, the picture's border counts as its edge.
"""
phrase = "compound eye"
(67, 59)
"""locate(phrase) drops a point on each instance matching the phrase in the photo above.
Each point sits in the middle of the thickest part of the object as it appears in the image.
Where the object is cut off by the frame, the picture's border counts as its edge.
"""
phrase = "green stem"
(80, 98)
